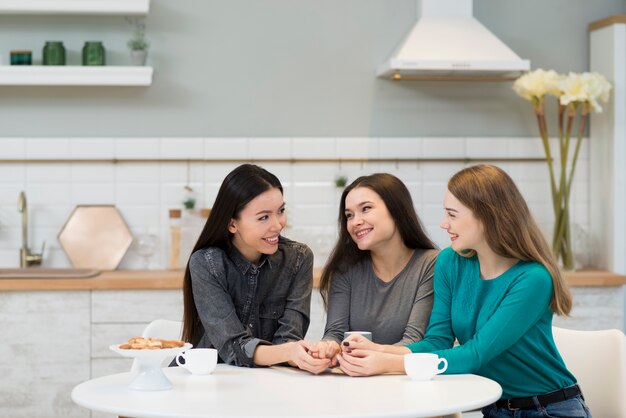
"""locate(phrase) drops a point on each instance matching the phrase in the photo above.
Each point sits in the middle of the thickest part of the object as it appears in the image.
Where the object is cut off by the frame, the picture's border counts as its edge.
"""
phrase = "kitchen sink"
(47, 273)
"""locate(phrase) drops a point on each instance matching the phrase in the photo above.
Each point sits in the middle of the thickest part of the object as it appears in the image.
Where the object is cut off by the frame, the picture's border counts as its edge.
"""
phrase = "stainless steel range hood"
(447, 43)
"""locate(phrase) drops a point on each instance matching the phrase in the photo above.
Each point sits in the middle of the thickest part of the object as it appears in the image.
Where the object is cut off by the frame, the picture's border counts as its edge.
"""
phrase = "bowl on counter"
(47, 273)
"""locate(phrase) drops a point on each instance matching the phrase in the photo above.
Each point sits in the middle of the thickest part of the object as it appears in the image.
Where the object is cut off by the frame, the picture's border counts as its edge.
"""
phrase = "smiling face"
(466, 232)
(368, 220)
(259, 224)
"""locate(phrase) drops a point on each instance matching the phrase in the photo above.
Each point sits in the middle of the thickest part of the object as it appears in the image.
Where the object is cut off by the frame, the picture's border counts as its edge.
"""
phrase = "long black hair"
(398, 200)
(239, 187)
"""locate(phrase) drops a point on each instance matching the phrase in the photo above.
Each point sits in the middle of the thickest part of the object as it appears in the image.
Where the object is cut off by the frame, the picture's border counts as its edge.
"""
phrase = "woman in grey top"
(247, 290)
(379, 277)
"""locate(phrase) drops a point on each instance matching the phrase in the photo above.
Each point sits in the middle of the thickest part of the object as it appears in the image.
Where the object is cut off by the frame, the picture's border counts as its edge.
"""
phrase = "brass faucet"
(26, 257)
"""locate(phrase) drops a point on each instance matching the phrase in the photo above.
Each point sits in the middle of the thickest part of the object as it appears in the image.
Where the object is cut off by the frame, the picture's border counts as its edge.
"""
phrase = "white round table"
(284, 392)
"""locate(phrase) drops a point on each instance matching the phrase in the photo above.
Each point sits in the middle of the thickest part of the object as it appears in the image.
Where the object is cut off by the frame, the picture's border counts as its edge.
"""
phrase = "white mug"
(365, 334)
(198, 360)
(424, 366)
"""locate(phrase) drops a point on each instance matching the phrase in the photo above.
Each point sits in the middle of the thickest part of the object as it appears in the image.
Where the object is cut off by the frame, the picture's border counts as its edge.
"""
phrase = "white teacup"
(198, 360)
(424, 366)
(365, 334)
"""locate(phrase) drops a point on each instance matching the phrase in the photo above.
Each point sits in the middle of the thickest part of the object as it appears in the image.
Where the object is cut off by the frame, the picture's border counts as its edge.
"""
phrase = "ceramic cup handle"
(441, 360)
(183, 364)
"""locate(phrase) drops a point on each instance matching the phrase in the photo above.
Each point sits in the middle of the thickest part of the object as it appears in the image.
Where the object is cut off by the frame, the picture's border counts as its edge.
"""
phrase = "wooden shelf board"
(173, 279)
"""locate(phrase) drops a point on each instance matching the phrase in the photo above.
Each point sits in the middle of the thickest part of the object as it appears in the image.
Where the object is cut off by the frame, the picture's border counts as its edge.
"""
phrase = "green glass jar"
(93, 53)
(54, 53)
(21, 57)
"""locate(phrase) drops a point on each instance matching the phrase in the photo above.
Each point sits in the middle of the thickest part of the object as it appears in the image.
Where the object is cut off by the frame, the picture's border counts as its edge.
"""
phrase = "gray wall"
(286, 68)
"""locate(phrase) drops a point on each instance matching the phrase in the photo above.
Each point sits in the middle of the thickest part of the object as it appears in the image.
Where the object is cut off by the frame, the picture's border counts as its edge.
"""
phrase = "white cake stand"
(150, 375)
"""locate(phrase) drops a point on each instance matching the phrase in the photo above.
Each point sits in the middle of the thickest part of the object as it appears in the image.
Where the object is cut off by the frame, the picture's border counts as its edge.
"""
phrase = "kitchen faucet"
(26, 257)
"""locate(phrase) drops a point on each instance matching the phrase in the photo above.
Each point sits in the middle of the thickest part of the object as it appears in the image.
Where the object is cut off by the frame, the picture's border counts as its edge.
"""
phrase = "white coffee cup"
(198, 360)
(365, 334)
(424, 366)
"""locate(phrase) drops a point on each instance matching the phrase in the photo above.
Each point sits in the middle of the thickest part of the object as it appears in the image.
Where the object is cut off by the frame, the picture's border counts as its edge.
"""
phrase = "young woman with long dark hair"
(247, 289)
(379, 275)
(496, 290)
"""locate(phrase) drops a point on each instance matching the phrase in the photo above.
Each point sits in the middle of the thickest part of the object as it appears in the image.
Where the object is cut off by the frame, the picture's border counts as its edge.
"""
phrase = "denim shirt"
(241, 305)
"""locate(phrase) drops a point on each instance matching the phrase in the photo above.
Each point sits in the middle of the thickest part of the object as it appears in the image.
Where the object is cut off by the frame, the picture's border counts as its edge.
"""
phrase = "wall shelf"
(24, 75)
(85, 7)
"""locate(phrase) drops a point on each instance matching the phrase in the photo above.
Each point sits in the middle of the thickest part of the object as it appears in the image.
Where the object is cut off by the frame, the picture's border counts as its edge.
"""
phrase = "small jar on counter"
(54, 53)
(175, 236)
(21, 57)
(93, 53)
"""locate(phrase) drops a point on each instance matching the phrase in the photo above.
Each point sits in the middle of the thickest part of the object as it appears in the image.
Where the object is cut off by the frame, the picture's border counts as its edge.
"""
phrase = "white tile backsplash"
(137, 148)
(137, 173)
(93, 193)
(444, 148)
(400, 147)
(92, 148)
(92, 173)
(45, 148)
(12, 173)
(180, 148)
(48, 173)
(314, 148)
(487, 147)
(270, 148)
(137, 194)
(12, 148)
(357, 147)
(143, 192)
(226, 148)
(525, 147)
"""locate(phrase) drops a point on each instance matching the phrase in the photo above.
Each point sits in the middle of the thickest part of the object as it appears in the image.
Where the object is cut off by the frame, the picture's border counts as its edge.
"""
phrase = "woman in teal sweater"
(496, 289)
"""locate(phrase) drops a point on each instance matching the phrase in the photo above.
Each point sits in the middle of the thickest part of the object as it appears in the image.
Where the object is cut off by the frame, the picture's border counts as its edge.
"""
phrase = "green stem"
(562, 243)
(543, 132)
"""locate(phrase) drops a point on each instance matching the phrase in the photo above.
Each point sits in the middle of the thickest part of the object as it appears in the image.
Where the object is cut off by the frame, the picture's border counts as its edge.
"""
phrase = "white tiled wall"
(144, 192)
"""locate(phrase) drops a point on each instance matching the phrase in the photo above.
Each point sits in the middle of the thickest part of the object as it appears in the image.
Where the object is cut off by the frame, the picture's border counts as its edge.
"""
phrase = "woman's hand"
(358, 362)
(301, 357)
(357, 341)
(325, 349)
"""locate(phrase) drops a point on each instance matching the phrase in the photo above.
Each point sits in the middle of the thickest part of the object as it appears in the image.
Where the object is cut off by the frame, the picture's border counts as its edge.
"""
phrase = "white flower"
(598, 89)
(585, 88)
(536, 84)
(575, 89)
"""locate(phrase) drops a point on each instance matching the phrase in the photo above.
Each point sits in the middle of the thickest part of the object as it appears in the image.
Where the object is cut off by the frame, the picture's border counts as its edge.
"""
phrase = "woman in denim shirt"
(247, 289)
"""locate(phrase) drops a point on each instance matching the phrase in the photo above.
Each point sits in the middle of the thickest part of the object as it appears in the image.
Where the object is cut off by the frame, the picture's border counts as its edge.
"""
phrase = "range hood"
(448, 43)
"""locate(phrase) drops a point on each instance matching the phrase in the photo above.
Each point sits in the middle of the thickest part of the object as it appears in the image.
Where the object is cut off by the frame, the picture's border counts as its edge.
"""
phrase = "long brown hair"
(239, 187)
(510, 229)
(397, 199)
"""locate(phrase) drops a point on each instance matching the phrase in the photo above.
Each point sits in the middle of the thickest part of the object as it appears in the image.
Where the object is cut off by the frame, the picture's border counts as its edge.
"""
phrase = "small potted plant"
(189, 200)
(341, 181)
(138, 43)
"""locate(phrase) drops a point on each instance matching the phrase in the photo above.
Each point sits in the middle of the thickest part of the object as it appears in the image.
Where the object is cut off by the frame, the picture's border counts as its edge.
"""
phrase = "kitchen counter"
(173, 279)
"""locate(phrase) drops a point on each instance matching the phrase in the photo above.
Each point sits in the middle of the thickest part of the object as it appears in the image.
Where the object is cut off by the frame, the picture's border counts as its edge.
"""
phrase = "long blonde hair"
(510, 229)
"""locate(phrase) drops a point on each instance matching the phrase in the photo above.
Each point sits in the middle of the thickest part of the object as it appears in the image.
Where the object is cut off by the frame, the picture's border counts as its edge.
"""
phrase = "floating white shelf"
(25, 75)
(107, 7)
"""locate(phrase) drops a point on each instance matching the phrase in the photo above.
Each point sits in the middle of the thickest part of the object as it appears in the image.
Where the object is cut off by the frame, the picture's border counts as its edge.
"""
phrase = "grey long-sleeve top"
(396, 312)
(241, 305)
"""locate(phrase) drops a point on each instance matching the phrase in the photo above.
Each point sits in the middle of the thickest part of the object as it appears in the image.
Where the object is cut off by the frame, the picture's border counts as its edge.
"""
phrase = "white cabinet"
(608, 146)
(45, 352)
(54, 340)
(117, 315)
(75, 75)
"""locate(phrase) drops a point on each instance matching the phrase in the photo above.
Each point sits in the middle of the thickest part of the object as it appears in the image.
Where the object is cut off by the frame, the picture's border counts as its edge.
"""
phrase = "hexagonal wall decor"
(95, 237)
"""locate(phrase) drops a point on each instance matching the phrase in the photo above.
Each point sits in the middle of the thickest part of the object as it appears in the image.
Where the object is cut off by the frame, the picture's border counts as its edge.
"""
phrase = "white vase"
(138, 57)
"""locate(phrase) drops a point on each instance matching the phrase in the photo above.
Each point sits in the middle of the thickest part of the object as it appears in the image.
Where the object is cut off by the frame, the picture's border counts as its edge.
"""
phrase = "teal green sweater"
(504, 325)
